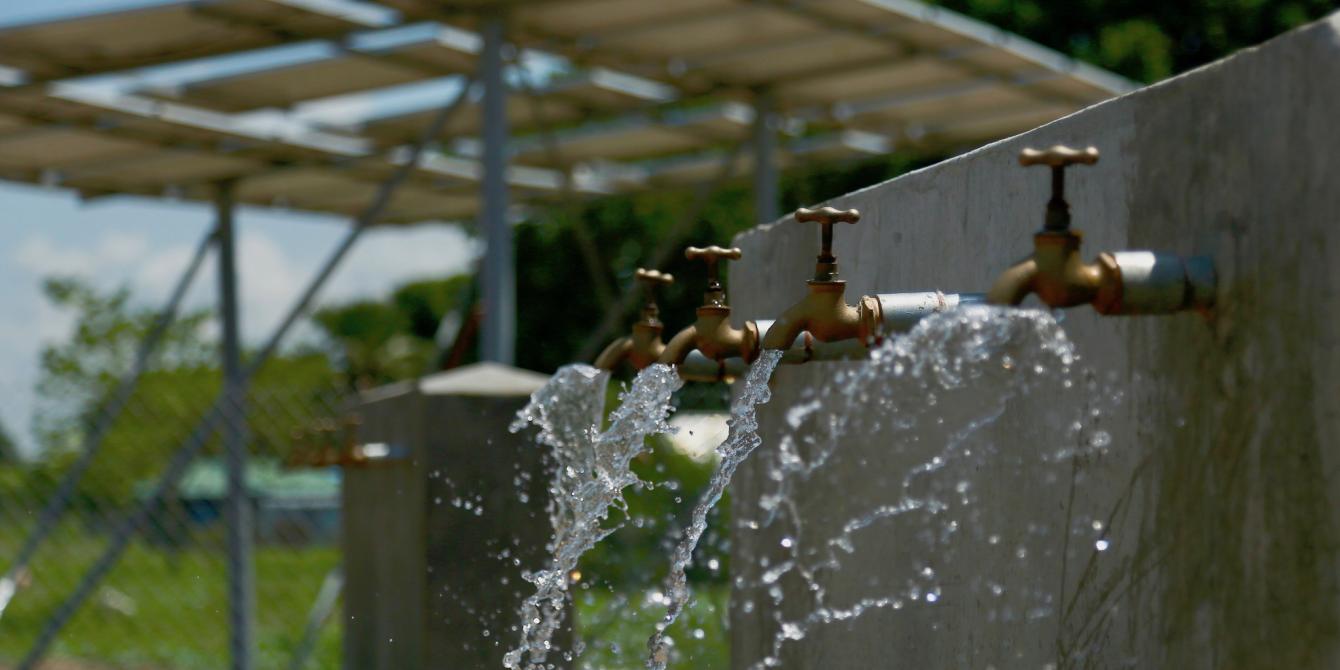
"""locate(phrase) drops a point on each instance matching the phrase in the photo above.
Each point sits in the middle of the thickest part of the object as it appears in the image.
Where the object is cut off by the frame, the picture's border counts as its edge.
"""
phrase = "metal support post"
(766, 200)
(498, 334)
(241, 569)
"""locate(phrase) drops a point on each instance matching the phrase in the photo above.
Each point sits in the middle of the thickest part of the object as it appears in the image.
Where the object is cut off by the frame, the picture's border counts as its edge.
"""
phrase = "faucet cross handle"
(1058, 158)
(650, 279)
(826, 270)
(653, 278)
(711, 255)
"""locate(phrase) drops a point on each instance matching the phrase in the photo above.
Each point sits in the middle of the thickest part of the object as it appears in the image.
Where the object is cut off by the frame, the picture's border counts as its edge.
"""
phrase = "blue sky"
(145, 244)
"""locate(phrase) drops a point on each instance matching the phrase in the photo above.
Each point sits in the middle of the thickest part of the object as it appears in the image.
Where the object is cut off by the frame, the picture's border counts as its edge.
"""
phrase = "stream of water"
(927, 506)
(740, 443)
(591, 471)
(929, 502)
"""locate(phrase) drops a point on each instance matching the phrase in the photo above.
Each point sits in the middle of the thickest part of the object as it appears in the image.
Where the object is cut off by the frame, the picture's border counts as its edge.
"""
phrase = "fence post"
(238, 513)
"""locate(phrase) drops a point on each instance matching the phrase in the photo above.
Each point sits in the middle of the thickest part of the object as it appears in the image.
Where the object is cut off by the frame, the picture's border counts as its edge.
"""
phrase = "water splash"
(936, 397)
(740, 443)
(591, 472)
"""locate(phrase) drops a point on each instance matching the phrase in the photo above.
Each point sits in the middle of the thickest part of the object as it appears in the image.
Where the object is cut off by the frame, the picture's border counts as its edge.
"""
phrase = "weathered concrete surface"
(435, 544)
(1222, 484)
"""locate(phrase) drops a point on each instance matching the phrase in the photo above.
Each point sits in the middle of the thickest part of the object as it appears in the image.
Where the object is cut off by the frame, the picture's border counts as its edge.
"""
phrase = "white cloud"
(270, 275)
(43, 257)
(385, 257)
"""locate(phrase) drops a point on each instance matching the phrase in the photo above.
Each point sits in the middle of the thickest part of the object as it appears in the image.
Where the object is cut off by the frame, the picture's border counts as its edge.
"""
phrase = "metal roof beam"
(634, 28)
(823, 20)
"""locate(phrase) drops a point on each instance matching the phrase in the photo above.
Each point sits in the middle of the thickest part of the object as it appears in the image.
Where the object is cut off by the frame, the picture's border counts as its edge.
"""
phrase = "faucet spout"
(1014, 284)
(644, 346)
(615, 353)
(823, 312)
(712, 334)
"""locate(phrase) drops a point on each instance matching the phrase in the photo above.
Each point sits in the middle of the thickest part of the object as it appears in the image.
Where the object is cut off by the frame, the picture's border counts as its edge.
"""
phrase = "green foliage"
(614, 624)
(1145, 40)
(423, 302)
(376, 342)
(8, 450)
(167, 611)
(79, 375)
(81, 371)
(654, 520)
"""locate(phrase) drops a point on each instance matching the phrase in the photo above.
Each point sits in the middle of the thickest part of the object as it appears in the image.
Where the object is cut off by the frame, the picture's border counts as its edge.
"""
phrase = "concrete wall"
(1223, 482)
(435, 543)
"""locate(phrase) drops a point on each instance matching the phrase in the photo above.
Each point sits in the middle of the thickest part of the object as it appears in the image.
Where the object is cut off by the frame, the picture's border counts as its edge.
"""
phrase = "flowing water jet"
(591, 471)
(938, 393)
(740, 443)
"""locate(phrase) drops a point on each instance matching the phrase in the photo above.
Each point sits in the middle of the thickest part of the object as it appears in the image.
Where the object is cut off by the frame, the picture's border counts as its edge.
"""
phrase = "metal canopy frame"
(348, 68)
(121, 40)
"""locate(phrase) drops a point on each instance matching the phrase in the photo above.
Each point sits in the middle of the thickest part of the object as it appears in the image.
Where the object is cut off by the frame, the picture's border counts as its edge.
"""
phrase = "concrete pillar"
(1220, 493)
(434, 530)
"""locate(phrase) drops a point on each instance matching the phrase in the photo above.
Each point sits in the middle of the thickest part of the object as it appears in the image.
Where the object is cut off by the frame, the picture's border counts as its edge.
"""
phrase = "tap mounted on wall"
(1123, 282)
(712, 334)
(823, 312)
(644, 346)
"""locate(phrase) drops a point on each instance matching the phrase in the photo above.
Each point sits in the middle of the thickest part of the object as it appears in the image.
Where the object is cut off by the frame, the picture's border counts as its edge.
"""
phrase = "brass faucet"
(644, 346)
(712, 334)
(1123, 282)
(824, 312)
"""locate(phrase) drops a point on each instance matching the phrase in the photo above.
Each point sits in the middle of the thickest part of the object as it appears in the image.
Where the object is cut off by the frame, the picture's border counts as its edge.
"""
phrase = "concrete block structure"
(1223, 484)
(436, 532)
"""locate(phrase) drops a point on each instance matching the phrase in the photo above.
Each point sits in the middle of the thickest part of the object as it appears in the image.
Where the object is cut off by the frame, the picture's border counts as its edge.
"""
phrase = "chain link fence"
(164, 604)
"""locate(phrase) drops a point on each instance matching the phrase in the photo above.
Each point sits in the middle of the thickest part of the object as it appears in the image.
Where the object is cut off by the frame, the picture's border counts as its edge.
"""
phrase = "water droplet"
(1101, 545)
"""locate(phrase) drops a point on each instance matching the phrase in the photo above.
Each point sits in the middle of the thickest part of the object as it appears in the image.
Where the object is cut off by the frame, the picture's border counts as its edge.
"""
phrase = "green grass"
(166, 608)
(162, 608)
(616, 631)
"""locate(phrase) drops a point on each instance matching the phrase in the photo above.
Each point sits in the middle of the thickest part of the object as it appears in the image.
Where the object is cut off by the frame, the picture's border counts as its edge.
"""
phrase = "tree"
(78, 376)
(8, 450)
(376, 342)
(1145, 40)
(83, 369)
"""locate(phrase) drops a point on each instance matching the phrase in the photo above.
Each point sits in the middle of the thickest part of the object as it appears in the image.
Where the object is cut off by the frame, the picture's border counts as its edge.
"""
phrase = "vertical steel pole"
(241, 571)
(766, 200)
(498, 333)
